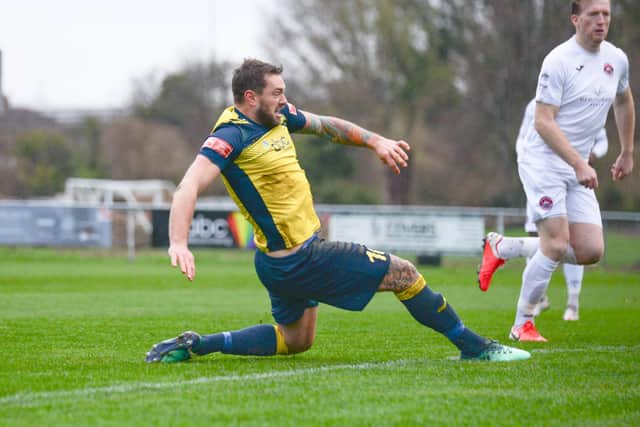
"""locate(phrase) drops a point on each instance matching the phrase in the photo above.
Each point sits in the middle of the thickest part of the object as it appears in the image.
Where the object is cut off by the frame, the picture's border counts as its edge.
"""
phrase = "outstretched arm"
(625, 115)
(391, 152)
(200, 174)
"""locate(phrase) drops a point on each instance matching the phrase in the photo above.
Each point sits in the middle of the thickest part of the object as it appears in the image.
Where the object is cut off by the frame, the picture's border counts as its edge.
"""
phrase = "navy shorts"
(344, 275)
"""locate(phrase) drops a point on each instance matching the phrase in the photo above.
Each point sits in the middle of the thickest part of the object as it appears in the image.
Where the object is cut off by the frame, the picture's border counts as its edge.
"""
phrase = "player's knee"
(412, 271)
(556, 248)
(409, 272)
(294, 340)
(401, 275)
(300, 344)
(590, 255)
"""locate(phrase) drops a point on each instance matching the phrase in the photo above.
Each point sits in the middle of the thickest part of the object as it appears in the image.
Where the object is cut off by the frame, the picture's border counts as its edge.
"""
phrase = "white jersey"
(527, 125)
(601, 144)
(528, 119)
(583, 85)
(599, 148)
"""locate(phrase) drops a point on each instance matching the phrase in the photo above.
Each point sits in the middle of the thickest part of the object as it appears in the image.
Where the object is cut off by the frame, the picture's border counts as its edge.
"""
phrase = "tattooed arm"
(392, 153)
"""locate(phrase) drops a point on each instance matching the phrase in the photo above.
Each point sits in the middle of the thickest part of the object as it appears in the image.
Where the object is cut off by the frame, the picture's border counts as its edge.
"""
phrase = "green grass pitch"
(75, 326)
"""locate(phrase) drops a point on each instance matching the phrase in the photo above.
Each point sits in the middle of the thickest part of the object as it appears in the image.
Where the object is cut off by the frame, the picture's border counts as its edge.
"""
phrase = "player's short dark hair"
(250, 76)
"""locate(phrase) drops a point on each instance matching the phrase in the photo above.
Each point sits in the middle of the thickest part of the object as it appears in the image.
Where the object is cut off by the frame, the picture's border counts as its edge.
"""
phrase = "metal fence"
(130, 232)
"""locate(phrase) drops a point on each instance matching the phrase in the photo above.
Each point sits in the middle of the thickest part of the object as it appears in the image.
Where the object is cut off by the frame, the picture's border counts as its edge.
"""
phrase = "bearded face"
(266, 116)
(271, 101)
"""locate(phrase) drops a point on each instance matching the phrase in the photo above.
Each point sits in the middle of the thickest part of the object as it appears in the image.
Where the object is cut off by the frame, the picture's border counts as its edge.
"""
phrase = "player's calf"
(432, 309)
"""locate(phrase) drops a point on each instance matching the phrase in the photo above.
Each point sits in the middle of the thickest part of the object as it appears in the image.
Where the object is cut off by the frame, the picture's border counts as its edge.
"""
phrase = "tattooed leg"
(401, 275)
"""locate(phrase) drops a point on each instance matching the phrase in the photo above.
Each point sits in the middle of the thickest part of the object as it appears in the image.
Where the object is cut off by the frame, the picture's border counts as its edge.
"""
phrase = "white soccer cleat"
(571, 314)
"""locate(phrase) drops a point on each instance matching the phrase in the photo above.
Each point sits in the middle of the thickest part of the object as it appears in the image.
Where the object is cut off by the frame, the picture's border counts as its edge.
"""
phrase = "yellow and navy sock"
(432, 310)
(258, 340)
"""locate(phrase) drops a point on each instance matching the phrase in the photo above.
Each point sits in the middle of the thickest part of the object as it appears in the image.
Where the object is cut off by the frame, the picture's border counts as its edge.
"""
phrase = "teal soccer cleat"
(179, 355)
(174, 349)
(496, 352)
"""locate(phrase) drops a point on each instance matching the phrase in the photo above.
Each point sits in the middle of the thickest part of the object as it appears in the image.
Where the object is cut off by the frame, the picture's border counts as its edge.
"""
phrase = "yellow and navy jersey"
(260, 170)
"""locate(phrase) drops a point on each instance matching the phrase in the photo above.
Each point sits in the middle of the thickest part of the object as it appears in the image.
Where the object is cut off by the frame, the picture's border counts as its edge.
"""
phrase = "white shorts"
(529, 224)
(556, 193)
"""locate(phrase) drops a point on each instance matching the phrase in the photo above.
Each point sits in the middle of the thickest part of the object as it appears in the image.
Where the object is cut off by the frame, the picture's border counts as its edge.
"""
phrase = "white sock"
(535, 280)
(570, 257)
(573, 275)
(514, 247)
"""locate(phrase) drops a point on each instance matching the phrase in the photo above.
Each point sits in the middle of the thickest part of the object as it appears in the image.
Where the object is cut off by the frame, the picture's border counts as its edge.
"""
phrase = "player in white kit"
(578, 83)
(573, 273)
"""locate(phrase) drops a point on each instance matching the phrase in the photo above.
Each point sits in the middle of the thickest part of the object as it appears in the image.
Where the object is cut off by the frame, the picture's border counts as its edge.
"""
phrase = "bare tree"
(136, 149)
(497, 47)
(379, 62)
(189, 99)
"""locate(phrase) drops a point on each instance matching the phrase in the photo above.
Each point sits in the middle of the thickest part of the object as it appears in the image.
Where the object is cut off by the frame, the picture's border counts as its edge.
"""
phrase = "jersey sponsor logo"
(546, 203)
(276, 144)
(218, 145)
(579, 67)
(608, 68)
(292, 109)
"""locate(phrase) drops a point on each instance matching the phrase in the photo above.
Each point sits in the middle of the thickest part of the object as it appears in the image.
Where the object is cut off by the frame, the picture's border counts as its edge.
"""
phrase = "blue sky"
(85, 54)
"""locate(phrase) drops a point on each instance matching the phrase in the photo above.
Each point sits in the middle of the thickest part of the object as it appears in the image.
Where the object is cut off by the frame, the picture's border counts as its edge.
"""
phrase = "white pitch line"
(595, 349)
(31, 399)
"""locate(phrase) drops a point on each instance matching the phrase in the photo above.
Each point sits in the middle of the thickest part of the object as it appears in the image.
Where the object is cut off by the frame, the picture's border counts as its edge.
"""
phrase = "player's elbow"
(625, 99)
